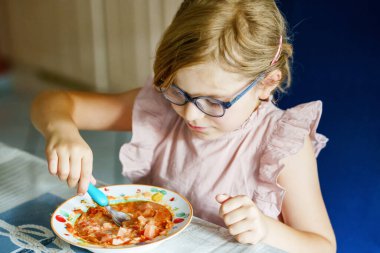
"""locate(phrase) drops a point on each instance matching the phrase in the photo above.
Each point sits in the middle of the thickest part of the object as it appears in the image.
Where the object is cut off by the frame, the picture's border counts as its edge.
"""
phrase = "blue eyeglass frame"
(224, 104)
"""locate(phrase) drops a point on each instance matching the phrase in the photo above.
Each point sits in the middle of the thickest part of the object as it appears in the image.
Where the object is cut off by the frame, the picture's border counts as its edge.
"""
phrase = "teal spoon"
(101, 199)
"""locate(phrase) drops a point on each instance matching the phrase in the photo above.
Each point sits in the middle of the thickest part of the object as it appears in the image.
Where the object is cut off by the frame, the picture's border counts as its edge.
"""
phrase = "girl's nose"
(191, 112)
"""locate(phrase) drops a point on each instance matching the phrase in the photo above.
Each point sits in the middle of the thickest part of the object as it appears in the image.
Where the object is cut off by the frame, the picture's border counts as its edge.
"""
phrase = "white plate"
(177, 204)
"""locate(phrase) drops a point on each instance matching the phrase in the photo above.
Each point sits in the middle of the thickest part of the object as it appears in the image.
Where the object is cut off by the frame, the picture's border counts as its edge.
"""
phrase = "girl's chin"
(206, 135)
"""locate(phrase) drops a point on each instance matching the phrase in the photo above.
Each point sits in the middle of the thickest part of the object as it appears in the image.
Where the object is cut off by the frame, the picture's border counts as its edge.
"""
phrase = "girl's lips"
(196, 128)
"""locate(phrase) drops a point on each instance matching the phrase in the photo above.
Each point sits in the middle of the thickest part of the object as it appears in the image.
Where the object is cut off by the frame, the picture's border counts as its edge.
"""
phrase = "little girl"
(206, 127)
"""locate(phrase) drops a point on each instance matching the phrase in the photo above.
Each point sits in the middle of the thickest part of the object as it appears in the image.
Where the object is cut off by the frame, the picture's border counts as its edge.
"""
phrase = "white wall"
(107, 44)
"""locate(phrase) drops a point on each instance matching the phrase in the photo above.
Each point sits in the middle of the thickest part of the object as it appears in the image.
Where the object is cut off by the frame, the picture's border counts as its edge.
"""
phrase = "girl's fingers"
(236, 216)
(240, 227)
(75, 171)
(221, 198)
(93, 180)
(242, 218)
(234, 203)
(85, 175)
(52, 159)
(63, 166)
(71, 160)
(249, 237)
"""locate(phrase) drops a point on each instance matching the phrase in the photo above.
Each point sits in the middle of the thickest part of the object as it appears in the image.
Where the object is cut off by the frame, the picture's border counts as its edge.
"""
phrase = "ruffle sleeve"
(149, 123)
(286, 139)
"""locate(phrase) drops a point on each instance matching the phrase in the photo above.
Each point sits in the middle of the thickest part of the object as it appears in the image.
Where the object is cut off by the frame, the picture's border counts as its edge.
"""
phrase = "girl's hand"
(243, 219)
(70, 158)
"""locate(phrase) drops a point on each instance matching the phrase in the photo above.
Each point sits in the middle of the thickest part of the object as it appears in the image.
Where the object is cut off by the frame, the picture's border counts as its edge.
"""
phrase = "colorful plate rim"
(191, 213)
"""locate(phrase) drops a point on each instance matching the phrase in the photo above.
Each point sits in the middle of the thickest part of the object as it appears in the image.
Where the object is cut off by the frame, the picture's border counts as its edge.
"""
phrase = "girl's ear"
(270, 82)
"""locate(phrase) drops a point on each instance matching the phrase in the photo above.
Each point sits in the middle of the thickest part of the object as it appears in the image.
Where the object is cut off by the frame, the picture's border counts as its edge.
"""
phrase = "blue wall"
(336, 60)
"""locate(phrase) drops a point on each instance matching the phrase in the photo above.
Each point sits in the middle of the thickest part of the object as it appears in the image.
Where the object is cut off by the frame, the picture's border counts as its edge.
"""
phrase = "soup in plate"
(148, 220)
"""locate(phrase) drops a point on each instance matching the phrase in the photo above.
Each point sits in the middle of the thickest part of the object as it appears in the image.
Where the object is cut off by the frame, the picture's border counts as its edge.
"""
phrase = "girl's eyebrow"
(219, 97)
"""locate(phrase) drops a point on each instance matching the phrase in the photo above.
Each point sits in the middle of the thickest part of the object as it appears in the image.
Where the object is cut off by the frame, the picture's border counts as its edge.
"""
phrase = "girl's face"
(211, 80)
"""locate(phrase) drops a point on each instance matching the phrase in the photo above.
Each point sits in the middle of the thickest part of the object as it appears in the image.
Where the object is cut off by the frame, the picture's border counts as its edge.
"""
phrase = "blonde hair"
(241, 35)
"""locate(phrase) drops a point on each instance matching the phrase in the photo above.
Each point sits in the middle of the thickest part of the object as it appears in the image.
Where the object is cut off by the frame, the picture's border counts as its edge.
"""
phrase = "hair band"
(277, 56)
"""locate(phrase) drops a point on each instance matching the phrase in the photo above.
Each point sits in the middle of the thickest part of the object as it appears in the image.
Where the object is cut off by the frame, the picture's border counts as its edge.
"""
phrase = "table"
(24, 177)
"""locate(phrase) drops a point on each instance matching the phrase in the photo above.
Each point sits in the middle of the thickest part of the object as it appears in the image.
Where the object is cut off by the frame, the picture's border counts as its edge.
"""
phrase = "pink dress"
(163, 152)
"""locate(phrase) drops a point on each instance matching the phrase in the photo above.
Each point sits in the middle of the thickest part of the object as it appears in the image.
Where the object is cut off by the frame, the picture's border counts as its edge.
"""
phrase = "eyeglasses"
(208, 105)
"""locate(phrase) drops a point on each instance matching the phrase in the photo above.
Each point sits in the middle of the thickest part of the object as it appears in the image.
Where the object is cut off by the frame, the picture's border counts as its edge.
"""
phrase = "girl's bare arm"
(85, 110)
(307, 226)
(60, 115)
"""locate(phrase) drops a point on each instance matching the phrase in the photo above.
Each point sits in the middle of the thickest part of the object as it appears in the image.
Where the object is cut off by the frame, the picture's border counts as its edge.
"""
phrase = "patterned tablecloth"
(29, 195)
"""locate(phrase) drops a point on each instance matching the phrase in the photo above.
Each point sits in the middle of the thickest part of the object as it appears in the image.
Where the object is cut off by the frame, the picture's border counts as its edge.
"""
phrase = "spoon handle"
(97, 195)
